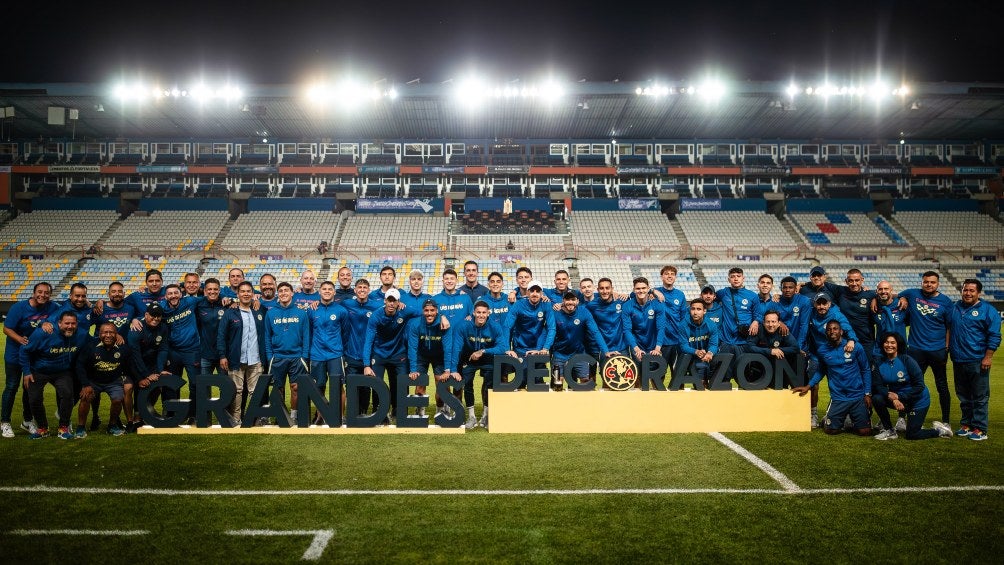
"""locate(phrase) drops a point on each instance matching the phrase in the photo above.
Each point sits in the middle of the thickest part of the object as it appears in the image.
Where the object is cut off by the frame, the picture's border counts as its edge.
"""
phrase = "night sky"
(290, 42)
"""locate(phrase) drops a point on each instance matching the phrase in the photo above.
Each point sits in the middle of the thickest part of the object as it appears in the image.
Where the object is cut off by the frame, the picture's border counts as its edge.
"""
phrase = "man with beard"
(929, 310)
(431, 346)
(149, 346)
(855, 303)
(208, 312)
(478, 342)
(360, 309)
(22, 320)
(530, 324)
(385, 348)
(116, 311)
(266, 283)
(848, 377)
(184, 343)
(975, 336)
(152, 292)
(307, 296)
(573, 327)
(102, 367)
(50, 359)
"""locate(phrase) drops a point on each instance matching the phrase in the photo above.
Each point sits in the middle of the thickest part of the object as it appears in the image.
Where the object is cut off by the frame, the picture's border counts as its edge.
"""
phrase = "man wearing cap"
(573, 326)
(889, 318)
(818, 283)
(429, 345)
(240, 343)
(149, 346)
(824, 311)
(453, 304)
(530, 323)
(477, 342)
(929, 312)
(385, 346)
(848, 378)
(647, 321)
(287, 344)
(471, 287)
(712, 307)
(328, 323)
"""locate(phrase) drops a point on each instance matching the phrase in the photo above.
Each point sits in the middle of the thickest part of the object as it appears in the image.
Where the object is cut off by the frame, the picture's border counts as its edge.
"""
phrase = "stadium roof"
(748, 111)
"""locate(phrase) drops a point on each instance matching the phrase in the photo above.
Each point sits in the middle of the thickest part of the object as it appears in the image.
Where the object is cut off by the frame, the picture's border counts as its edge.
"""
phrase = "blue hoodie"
(611, 322)
(359, 317)
(571, 331)
(648, 323)
(817, 327)
(24, 318)
(287, 332)
(50, 353)
(430, 343)
(699, 336)
(468, 337)
(848, 375)
(386, 337)
(181, 320)
(677, 313)
(499, 306)
(737, 310)
(530, 327)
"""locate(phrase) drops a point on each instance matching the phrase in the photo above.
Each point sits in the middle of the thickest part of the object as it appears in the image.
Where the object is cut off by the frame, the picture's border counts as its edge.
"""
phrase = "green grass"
(920, 527)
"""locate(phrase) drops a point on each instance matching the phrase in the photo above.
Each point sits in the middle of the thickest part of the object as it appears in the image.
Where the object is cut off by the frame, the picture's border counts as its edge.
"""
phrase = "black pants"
(937, 361)
(63, 383)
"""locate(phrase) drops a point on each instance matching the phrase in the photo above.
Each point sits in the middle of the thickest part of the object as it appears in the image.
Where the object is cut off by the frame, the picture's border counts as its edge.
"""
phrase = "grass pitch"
(479, 497)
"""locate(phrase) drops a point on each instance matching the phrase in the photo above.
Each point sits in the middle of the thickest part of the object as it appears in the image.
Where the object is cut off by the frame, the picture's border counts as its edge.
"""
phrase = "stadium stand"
(519, 222)
(18, 276)
(991, 274)
(57, 229)
(188, 230)
(623, 230)
(265, 230)
(283, 269)
(398, 231)
(719, 228)
(942, 229)
(97, 274)
(842, 228)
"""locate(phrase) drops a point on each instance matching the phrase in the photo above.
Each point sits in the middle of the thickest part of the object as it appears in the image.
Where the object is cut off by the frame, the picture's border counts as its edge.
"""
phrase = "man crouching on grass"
(103, 366)
(848, 378)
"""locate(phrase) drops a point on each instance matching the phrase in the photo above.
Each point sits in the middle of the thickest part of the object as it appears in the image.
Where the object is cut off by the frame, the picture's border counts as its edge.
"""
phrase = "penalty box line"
(43, 489)
(787, 484)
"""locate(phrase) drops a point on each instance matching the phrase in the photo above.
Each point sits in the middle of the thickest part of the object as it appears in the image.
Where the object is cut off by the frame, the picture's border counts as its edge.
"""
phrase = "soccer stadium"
(870, 184)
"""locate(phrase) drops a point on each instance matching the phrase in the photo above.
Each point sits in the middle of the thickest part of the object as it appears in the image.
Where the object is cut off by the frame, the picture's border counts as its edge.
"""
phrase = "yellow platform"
(648, 412)
(314, 430)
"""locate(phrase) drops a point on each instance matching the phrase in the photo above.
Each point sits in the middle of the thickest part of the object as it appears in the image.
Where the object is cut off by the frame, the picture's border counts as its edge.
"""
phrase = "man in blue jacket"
(530, 323)
(240, 343)
(430, 346)
(50, 359)
(453, 304)
(608, 313)
(208, 312)
(699, 338)
(772, 343)
(329, 322)
(975, 336)
(19, 325)
(360, 308)
(149, 346)
(647, 319)
(573, 326)
(287, 343)
(184, 343)
(738, 303)
(477, 342)
(385, 348)
(848, 377)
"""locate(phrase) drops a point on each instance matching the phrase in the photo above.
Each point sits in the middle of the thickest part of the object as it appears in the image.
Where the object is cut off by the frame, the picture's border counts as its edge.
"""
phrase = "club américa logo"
(619, 373)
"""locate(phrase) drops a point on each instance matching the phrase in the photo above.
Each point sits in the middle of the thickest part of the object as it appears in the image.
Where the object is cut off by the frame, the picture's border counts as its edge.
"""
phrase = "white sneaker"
(886, 435)
(944, 430)
(814, 421)
(901, 425)
(471, 423)
(6, 430)
(29, 427)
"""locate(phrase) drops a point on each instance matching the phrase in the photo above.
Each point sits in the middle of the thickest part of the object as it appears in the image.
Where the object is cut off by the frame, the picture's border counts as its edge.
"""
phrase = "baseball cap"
(817, 270)
(822, 297)
(535, 283)
(707, 288)
(392, 293)
(429, 301)
(155, 309)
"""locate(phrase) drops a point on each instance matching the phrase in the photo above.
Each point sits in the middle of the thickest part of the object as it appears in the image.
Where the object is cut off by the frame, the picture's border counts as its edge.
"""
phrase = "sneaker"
(483, 422)
(944, 430)
(977, 435)
(65, 433)
(115, 431)
(95, 423)
(6, 430)
(886, 435)
(130, 428)
(29, 427)
(901, 425)
(80, 433)
(814, 421)
(963, 431)
(471, 423)
(39, 433)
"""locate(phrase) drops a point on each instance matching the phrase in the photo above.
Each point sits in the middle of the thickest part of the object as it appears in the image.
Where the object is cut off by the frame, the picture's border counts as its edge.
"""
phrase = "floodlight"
(551, 91)
(792, 90)
(471, 91)
(712, 90)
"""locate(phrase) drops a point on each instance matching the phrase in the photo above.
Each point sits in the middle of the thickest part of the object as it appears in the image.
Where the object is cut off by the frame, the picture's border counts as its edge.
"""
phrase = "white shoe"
(814, 421)
(29, 427)
(944, 430)
(471, 423)
(886, 435)
(6, 430)
(901, 425)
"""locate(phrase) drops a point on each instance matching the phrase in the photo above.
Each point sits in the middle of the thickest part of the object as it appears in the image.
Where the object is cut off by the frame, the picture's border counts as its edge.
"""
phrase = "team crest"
(899, 375)
(676, 301)
(400, 320)
(117, 355)
(618, 307)
(863, 302)
(795, 309)
(975, 313)
(220, 313)
(540, 314)
(777, 344)
(745, 301)
(576, 321)
(158, 339)
(333, 317)
(259, 317)
(620, 373)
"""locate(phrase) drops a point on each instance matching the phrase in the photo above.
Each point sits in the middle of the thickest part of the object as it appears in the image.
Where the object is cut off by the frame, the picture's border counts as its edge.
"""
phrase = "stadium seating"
(97, 274)
(57, 229)
(18, 276)
(622, 230)
(519, 222)
(841, 228)
(941, 229)
(288, 270)
(721, 228)
(268, 230)
(990, 274)
(901, 275)
(169, 158)
(171, 230)
(414, 231)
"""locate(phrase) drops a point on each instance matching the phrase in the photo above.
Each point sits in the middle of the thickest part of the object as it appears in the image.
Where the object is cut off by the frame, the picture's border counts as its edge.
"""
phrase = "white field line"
(79, 532)
(782, 479)
(317, 545)
(42, 489)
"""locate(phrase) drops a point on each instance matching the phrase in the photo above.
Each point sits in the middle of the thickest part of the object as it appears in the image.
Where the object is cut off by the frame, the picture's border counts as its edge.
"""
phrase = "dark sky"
(288, 41)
